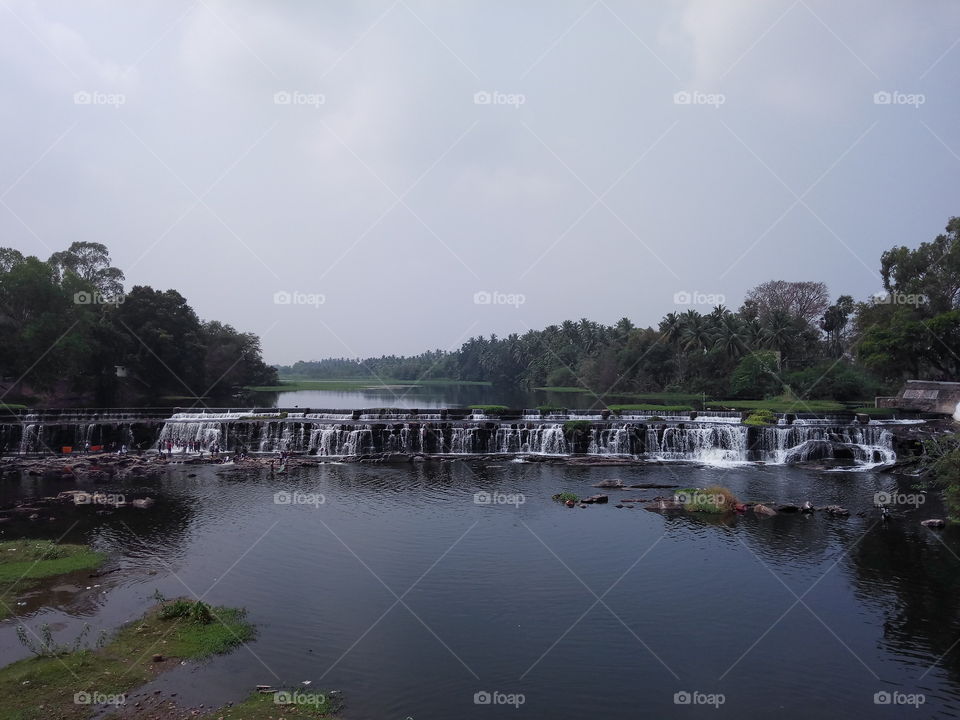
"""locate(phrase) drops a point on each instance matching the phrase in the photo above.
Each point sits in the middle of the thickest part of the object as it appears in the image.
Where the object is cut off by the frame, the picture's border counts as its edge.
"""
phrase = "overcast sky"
(394, 159)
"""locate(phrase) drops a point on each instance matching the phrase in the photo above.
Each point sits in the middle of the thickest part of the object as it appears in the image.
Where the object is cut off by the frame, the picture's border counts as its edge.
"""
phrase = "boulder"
(143, 503)
(933, 523)
(836, 510)
(763, 510)
(807, 507)
(609, 484)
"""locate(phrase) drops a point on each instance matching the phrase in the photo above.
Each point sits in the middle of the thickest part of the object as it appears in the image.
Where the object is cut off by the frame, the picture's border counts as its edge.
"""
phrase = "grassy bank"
(290, 384)
(24, 563)
(649, 407)
(779, 405)
(270, 707)
(47, 687)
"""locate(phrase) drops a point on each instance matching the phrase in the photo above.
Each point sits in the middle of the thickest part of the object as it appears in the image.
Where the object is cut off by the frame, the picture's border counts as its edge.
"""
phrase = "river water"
(402, 591)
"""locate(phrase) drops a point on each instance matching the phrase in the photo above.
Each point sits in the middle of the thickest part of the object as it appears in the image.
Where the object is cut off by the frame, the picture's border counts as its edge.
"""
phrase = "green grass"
(43, 688)
(761, 417)
(647, 406)
(714, 499)
(565, 496)
(778, 405)
(265, 706)
(24, 563)
(290, 384)
(489, 408)
(562, 389)
(875, 411)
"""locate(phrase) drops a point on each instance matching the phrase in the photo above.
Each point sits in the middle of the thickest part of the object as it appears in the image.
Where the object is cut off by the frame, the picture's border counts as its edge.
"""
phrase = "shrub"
(566, 497)
(571, 426)
(761, 417)
(714, 499)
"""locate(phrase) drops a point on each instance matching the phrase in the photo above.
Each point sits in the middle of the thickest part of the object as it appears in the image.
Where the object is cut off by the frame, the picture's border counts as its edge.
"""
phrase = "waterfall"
(717, 438)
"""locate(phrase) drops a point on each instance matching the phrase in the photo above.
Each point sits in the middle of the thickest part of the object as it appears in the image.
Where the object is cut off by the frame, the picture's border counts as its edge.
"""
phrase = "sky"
(363, 178)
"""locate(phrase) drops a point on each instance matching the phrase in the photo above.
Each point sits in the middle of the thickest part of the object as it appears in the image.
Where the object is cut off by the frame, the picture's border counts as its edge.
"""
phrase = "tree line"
(786, 336)
(66, 324)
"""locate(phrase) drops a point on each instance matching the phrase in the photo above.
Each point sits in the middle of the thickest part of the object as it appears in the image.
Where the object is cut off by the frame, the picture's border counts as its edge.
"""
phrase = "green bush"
(565, 497)
(761, 417)
(489, 409)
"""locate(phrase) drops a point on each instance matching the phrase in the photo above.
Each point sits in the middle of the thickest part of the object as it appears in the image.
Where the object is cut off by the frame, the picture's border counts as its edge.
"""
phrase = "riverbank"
(24, 564)
(62, 683)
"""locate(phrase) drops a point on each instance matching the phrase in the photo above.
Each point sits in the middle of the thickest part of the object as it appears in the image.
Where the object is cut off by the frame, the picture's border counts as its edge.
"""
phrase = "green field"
(290, 384)
(779, 405)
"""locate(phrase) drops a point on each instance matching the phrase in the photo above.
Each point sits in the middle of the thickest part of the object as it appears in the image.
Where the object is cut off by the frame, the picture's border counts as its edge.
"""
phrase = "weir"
(714, 438)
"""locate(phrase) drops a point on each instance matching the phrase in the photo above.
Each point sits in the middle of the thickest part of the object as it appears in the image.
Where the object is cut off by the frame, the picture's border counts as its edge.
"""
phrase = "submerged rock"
(933, 523)
(609, 484)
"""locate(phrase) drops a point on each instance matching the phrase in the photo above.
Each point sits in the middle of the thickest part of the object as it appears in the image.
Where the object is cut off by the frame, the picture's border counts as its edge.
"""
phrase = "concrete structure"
(925, 396)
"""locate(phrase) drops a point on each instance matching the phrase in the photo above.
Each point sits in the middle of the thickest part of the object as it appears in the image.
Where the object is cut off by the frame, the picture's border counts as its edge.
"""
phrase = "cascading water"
(714, 440)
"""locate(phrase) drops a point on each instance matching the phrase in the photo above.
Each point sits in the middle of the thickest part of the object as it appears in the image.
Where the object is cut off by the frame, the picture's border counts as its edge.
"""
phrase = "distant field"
(291, 384)
(776, 405)
(655, 398)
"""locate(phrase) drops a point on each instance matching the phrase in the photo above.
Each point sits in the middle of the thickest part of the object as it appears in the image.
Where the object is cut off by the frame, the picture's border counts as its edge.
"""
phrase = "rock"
(609, 484)
(836, 510)
(158, 658)
(763, 510)
(933, 523)
(807, 507)
(599, 499)
(618, 505)
(143, 503)
(661, 505)
(570, 503)
(788, 508)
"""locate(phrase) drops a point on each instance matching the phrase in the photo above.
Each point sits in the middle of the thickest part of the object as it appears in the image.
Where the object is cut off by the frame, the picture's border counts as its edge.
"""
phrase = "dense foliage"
(786, 337)
(66, 324)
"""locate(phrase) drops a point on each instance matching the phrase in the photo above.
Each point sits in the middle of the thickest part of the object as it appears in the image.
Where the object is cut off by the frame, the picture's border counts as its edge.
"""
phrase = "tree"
(931, 271)
(834, 324)
(756, 376)
(805, 300)
(91, 263)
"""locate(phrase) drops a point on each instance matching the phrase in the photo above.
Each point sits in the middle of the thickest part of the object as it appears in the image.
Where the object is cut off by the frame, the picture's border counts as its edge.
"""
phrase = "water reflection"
(508, 593)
